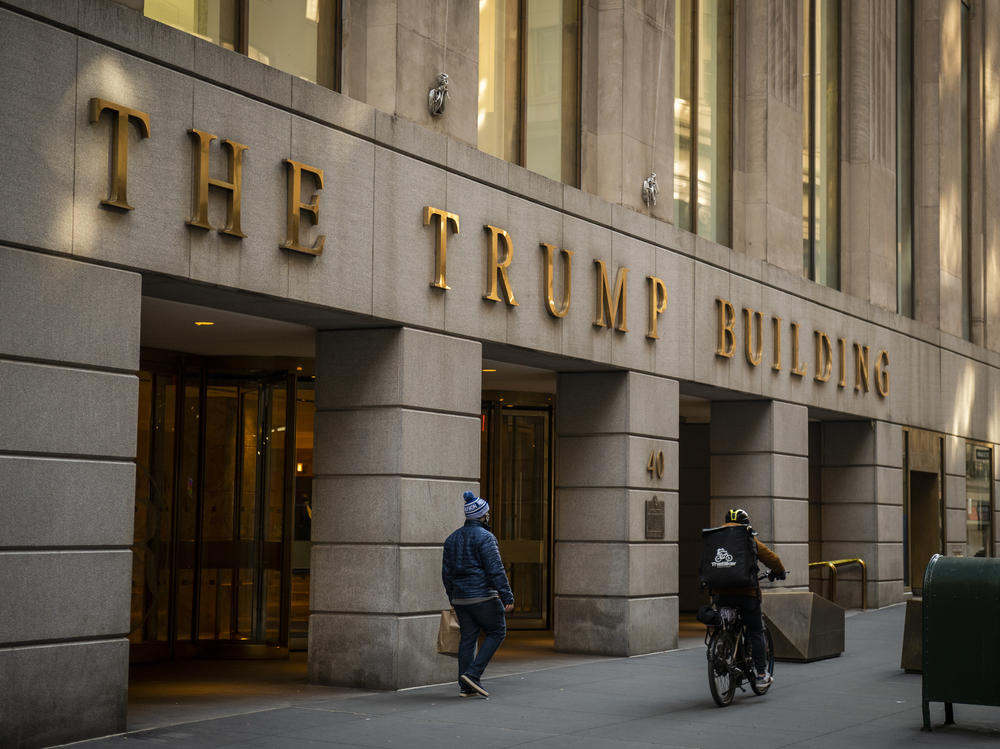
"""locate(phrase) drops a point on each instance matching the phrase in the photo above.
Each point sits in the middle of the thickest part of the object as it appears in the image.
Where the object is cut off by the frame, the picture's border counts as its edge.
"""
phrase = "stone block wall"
(397, 442)
(69, 350)
(760, 463)
(615, 588)
(862, 489)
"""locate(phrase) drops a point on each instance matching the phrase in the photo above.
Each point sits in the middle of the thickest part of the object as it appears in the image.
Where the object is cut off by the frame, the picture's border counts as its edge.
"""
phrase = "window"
(821, 141)
(297, 36)
(904, 159)
(966, 179)
(703, 117)
(529, 102)
(978, 478)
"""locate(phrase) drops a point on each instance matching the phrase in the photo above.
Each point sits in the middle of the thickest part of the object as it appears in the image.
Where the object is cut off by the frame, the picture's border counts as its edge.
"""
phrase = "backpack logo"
(723, 558)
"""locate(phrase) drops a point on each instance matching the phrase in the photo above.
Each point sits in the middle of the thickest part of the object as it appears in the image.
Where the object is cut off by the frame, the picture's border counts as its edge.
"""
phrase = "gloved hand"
(772, 576)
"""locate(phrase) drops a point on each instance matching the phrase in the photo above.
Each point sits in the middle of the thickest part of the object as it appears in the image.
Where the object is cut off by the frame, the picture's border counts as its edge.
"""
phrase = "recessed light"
(200, 323)
(489, 370)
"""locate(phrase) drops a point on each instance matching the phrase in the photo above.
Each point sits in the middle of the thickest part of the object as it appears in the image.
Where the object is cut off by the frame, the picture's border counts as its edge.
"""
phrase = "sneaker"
(473, 684)
(468, 693)
(764, 679)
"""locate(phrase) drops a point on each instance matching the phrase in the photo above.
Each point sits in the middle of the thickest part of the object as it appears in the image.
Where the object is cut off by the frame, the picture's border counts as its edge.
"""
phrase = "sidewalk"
(861, 699)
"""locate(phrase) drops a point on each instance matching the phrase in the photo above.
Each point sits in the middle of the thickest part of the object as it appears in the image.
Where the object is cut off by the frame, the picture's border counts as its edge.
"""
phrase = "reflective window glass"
(296, 36)
(703, 117)
(528, 84)
(978, 521)
(821, 141)
(212, 20)
(499, 84)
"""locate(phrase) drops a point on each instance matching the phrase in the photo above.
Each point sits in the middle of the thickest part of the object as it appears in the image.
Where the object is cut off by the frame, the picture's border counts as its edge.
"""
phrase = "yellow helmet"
(738, 516)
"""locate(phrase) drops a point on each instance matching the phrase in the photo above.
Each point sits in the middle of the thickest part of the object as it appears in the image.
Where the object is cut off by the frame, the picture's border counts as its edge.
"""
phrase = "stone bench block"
(912, 657)
(804, 626)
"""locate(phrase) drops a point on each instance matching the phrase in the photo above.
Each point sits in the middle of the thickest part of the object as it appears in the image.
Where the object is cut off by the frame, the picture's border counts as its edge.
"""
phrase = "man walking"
(477, 587)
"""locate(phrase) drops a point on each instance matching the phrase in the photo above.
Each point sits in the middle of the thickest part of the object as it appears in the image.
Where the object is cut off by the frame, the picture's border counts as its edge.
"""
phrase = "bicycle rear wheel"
(759, 689)
(720, 675)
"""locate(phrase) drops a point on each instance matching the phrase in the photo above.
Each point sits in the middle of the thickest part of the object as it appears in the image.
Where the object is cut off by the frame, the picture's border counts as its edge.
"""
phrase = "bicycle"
(730, 661)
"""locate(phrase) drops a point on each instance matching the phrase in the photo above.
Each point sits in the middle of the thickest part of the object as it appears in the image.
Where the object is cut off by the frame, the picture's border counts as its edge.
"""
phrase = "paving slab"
(861, 699)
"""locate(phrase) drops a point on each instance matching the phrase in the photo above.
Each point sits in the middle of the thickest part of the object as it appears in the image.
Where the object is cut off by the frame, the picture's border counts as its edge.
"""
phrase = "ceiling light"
(489, 370)
(200, 323)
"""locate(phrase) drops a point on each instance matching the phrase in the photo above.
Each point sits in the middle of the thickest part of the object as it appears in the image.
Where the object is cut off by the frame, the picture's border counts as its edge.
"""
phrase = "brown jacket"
(770, 560)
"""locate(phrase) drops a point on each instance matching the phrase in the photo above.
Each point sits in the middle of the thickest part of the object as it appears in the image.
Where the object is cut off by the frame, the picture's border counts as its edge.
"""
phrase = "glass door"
(516, 459)
(212, 551)
(243, 513)
(979, 500)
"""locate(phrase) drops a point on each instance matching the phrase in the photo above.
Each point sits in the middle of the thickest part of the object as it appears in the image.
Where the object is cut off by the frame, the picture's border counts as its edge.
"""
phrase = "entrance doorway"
(923, 526)
(516, 459)
(218, 484)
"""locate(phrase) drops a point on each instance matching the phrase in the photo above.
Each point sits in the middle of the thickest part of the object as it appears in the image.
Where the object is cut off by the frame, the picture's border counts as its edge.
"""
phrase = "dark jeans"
(754, 620)
(487, 617)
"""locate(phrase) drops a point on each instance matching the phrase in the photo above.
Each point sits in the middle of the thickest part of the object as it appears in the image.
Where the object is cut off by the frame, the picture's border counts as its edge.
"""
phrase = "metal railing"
(833, 565)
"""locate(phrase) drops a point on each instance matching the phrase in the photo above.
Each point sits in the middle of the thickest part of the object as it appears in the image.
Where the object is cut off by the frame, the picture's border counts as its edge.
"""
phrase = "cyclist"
(748, 599)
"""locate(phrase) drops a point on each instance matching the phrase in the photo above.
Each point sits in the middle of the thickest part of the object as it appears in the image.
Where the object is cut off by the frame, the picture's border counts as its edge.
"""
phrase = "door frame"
(266, 374)
(493, 403)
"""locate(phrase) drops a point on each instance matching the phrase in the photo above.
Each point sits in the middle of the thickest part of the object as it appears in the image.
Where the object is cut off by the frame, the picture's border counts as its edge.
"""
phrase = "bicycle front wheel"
(759, 689)
(720, 673)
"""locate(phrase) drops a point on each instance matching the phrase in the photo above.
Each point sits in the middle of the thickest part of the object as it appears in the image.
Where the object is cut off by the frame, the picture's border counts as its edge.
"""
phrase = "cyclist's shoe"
(764, 679)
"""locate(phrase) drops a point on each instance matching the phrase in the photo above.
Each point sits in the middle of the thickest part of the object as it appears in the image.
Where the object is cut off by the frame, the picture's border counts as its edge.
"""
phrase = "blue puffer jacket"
(471, 566)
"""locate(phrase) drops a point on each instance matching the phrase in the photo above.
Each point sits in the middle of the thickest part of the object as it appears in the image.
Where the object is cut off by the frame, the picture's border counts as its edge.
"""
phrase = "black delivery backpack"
(728, 557)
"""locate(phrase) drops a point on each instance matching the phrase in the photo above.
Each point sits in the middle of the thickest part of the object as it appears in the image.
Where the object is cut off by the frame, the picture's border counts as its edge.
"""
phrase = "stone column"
(767, 132)
(862, 488)
(397, 442)
(868, 178)
(938, 165)
(627, 102)
(989, 20)
(760, 462)
(394, 51)
(615, 587)
(69, 351)
(955, 509)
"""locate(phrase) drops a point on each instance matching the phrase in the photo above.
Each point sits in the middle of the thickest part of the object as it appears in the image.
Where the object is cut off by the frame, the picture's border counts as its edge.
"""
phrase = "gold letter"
(798, 368)
(776, 366)
(295, 205)
(824, 356)
(753, 355)
(657, 303)
(604, 294)
(441, 246)
(117, 198)
(861, 367)
(727, 321)
(882, 373)
(550, 300)
(842, 345)
(496, 268)
(202, 182)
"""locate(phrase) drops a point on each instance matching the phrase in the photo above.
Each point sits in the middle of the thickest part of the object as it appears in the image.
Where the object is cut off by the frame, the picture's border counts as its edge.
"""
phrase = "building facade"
(275, 292)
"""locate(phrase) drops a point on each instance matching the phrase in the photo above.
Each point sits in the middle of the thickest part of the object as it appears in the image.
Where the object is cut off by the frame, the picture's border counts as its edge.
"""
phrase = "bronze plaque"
(655, 518)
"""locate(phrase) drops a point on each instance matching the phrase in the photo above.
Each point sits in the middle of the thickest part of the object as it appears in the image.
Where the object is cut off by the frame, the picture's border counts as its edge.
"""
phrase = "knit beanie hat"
(475, 507)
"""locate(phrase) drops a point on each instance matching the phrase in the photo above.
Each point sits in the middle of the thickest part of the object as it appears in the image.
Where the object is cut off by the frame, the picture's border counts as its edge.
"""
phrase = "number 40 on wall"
(654, 467)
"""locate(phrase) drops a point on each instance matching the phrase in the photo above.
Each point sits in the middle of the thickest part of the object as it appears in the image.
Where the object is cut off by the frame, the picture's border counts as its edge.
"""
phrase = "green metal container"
(961, 647)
